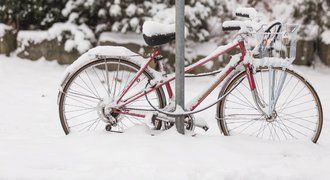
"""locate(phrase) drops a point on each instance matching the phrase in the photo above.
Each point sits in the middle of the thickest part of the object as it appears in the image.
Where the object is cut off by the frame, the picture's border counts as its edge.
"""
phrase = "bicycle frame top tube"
(219, 51)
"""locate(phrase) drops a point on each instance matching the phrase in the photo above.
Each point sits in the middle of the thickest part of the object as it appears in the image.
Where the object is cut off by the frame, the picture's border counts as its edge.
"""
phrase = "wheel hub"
(272, 117)
(106, 113)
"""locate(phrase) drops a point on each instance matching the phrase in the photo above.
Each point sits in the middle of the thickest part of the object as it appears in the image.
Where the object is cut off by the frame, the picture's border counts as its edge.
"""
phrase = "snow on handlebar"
(254, 24)
(246, 12)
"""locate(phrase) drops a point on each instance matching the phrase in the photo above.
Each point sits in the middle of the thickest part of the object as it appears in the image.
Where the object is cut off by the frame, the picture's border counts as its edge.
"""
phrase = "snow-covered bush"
(31, 14)
(3, 29)
(129, 15)
(315, 19)
(71, 36)
(74, 36)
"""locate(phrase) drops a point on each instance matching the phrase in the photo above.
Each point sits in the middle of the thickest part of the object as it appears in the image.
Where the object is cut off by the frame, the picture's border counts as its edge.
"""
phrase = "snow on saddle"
(156, 34)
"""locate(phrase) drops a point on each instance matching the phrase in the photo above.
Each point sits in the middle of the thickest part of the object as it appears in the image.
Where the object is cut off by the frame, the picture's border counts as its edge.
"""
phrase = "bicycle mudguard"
(105, 52)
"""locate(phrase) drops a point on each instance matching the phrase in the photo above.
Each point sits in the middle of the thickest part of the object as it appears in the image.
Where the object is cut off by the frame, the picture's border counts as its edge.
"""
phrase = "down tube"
(210, 89)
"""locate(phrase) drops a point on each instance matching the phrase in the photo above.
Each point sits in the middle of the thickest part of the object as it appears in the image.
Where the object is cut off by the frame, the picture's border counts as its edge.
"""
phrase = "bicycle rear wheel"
(297, 115)
(84, 97)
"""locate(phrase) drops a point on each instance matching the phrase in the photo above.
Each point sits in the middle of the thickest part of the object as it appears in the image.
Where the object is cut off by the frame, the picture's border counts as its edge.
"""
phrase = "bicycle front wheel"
(297, 114)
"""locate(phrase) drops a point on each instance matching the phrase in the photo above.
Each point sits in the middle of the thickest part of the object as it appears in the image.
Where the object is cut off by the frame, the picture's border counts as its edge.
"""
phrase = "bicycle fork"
(274, 92)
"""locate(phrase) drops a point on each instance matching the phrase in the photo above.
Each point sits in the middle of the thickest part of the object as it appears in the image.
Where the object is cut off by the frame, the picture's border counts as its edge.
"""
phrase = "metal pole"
(179, 61)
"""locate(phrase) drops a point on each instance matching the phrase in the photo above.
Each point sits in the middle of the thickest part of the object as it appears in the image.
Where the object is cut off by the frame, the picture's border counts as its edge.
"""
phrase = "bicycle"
(261, 95)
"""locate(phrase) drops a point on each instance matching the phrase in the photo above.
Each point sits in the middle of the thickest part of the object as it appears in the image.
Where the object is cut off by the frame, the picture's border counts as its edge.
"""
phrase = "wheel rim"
(298, 113)
(97, 84)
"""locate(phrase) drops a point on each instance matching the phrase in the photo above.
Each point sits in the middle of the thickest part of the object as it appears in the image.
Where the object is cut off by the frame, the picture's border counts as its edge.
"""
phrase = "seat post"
(158, 60)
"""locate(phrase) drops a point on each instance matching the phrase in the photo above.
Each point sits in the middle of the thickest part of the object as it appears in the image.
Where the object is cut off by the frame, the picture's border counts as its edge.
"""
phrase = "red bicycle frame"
(239, 44)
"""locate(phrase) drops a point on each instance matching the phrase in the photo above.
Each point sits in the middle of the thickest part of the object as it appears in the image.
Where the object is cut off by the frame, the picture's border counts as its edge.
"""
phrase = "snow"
(115, 10)
(73, 17)
(148, 120)
(3, 29)
(283, 11)
(33, 145)
(325, 36)
(134, 22)
(26, 37)
(196, 13)
(161, 13)
(101, 27)
(271, 61)
(152, 28)
(80, 36)
(121, 38)
(69, 6)
(228, 24)
(251, 12)
(131, 9)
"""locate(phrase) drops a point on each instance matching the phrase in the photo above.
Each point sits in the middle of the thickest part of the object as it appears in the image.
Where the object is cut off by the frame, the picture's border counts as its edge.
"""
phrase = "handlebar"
(253, 25)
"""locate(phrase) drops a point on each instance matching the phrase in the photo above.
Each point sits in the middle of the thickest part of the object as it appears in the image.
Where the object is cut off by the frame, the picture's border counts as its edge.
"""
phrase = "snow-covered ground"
(33, 144)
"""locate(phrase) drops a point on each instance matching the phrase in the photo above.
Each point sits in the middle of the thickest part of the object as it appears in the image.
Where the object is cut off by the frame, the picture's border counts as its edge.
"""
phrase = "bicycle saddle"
(156, 34)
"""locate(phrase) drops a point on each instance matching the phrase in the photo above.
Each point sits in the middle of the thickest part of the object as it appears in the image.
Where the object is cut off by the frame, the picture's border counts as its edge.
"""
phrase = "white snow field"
(33, 144)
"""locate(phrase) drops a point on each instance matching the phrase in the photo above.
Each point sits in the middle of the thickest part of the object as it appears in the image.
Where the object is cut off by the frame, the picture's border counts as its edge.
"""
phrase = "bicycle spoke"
(83, 122)
(291, 99)
(77, 110)
(84, 107)
(275, 132)
(98, 95)
(82, 96)
(296, 115)
(89, 105)
(301, 118)
(116, 80)
(295, 105)
(298, 124)
(88, 126)
(289, 127)
(107, 77)
(245, 102)
(241, 104)
(304, 110)
(261, 129)
(101, 82)
(84, 88)
(89, 92)
(250, 125)
(81, 114)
